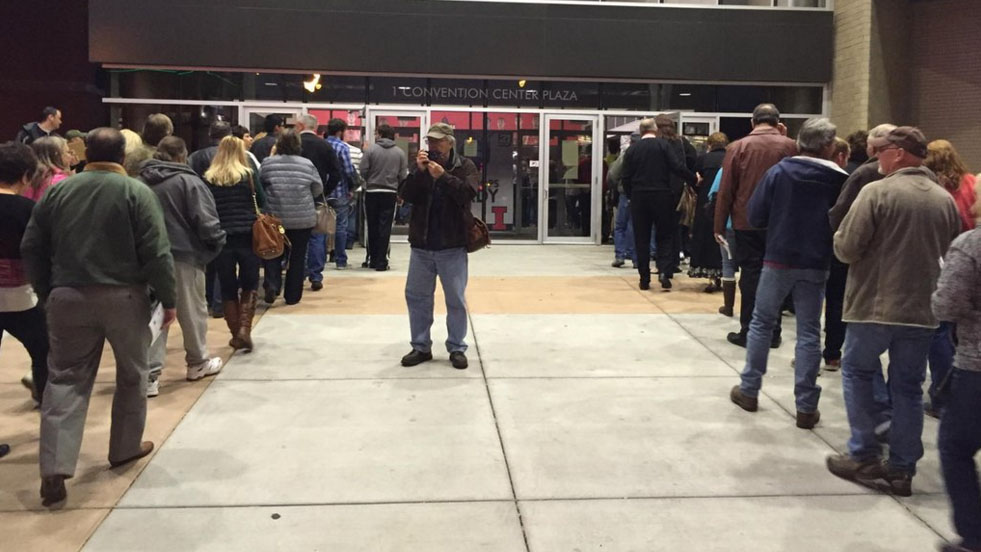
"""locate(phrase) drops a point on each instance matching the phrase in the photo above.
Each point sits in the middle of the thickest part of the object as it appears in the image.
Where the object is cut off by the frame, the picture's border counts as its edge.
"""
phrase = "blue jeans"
(908, 348)
(960, 440)
(807, 287)
(316, 257)
(941, 356)
(450, 265)
(342, 206)
(623, 233)
(728, 263)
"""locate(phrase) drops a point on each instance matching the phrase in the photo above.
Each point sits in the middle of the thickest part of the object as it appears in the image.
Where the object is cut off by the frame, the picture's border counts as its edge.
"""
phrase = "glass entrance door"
(409, 128)
(571, 174)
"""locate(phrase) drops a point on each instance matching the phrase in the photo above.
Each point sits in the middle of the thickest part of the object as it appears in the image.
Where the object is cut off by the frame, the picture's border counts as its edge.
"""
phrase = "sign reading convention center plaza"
(453, 94)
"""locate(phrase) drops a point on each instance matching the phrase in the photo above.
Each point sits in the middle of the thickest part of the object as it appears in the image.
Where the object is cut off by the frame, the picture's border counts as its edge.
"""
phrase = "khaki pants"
(192, 315)
(80, 320)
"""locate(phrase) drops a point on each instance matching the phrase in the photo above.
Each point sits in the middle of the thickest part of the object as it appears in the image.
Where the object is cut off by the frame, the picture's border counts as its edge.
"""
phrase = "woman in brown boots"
(238, 195)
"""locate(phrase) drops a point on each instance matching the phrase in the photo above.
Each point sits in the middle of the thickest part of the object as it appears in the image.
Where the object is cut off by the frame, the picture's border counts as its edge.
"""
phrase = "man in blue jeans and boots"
(792, 203)
(342, 196)
(440, 190)
(892, 238)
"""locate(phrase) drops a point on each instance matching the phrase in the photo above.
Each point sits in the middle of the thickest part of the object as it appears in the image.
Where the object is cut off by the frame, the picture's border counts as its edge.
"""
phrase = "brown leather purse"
(478, 235)
(268, 235)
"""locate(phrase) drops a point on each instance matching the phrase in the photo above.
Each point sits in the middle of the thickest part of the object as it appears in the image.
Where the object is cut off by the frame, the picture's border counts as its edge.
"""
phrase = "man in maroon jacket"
(746, 161)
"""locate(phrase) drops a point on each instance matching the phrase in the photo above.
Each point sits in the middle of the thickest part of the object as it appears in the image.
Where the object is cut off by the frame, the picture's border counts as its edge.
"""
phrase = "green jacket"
(99, 227)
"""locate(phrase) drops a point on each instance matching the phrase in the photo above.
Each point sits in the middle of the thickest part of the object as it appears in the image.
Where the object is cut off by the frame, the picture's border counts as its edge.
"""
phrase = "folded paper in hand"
(156, 320)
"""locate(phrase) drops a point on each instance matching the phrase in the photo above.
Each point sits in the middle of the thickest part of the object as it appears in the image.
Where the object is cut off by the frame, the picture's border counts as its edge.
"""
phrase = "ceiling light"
(522, 83)
(311, 84)
(685, 94)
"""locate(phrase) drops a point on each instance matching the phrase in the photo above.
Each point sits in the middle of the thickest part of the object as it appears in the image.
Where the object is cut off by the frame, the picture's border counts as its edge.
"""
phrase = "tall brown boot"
(233, 319)
(728, 297)
(246, 312)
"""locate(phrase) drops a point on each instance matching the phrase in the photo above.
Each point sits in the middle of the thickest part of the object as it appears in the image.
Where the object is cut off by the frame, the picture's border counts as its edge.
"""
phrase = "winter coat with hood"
(189, 211)
(32, 131)
(792, 203)
(291, 184)
(383, 166)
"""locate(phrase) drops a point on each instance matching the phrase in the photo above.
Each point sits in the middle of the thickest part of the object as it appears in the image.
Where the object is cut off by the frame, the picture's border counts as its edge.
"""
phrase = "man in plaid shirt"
(341, 198)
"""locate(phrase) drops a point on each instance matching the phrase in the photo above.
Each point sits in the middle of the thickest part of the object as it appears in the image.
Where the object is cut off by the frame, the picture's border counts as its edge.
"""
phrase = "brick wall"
(850, 84)
(946, 74)
(890, 100)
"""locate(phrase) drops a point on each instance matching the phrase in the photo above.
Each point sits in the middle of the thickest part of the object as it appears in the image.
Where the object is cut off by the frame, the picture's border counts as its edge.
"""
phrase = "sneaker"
(887, 479)
(416, 357)
(207, 368)
(832, 365)
(458, 360)
(749, 404)
(807, 420)
(152, 388)
(316, 286)
(341, 267)
(846, 467)
(617, 263)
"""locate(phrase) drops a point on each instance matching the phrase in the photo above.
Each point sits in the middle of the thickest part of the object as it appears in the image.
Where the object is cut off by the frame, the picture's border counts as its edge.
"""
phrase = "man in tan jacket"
(893, 238)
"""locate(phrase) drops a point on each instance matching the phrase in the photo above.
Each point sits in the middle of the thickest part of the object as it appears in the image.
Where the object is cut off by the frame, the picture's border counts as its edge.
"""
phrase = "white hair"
(881, 130)
(309, 122)
(816, 135)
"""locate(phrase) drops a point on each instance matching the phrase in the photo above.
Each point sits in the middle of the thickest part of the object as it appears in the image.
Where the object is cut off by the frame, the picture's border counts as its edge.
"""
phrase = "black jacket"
(458, 187)
(863, 176)
(236, 211)
(30, 132)
(262, 148)
(649, 164)
(200, 161)
(317, 149)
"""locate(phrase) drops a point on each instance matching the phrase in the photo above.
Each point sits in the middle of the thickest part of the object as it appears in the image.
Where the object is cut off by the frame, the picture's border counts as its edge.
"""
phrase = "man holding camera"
(440, 189)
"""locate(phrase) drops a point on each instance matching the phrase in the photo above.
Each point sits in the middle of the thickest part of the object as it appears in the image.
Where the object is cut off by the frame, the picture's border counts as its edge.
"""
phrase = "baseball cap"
(75, 134)
(439, 131)
(909, 138)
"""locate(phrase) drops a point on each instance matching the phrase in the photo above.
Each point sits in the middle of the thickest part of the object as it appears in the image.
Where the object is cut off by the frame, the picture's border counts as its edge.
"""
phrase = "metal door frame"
(596, 189)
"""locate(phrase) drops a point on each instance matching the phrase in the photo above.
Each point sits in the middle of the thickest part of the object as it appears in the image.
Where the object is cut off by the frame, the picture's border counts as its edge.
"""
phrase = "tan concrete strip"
(96, 487)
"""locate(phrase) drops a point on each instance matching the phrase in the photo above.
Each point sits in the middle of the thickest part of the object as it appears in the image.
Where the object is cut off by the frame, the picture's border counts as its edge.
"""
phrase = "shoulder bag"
(326, 219)
(478, 235)
(268, 235)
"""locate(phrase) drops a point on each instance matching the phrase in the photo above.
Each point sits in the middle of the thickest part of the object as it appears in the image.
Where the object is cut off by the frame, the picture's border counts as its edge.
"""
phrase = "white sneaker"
(153, 388)
(207, 368)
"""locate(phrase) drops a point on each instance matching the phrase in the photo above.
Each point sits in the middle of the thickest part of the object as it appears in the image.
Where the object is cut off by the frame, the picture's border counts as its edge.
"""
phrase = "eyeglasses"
(887, 148)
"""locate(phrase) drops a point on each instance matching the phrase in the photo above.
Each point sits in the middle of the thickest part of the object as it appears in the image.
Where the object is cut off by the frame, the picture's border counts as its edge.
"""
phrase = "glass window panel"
(514, 93)
(803, 3)
(570, 94)
(191, 122)
(788, 99)
(625, 95)
(383, 90)
(701, 2)
(178, 85)
(746, 2)
(570, 179)
(694, 97)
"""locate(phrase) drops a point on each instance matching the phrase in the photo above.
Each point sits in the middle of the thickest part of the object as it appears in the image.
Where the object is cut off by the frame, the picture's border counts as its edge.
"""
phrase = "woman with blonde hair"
(953, 175)
(54, 160)
(238, 194)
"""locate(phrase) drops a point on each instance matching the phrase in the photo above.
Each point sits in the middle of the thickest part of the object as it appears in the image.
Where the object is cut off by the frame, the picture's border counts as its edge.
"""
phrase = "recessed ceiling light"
(685, 94)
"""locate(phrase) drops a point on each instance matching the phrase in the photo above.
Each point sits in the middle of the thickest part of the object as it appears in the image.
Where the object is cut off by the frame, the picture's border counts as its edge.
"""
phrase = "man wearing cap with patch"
(440, 189)
(893, 238)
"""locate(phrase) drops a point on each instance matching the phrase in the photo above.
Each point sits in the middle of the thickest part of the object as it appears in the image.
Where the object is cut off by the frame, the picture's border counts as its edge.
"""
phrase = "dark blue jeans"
(960, 440)
(941, 357)
(908, 348)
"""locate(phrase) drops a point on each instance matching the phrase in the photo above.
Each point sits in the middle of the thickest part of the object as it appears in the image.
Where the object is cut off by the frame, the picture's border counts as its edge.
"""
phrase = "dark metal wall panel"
(434, 37)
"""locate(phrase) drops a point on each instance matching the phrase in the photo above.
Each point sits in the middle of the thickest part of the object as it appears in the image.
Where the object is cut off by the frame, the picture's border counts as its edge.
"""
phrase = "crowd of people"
(136, 232)
(874, 233)
(877, 233)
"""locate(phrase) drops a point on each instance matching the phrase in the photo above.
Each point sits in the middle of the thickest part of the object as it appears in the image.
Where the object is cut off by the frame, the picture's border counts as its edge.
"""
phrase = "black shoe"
(316, 286)
(4, 450)
(53, 490)
(458, 360)
(617, 263)
(645, 285)
(269, 297)
(416, 357)
(737, 338)
(776, 342)
(382, 268)
(665, 282)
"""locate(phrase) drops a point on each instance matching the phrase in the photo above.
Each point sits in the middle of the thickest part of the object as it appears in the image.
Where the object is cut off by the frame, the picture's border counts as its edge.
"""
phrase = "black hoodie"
(189, 211)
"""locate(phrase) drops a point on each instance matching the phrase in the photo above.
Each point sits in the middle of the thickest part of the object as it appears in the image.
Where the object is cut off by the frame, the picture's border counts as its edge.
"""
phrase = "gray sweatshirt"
(291, 184)
(384, 166)
(958, 297)
(189, 211)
